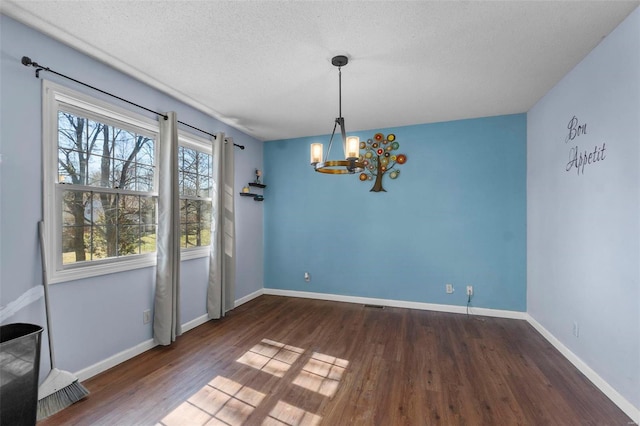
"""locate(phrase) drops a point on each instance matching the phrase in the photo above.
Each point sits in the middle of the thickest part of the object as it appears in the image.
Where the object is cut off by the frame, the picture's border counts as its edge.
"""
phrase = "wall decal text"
(579, 158)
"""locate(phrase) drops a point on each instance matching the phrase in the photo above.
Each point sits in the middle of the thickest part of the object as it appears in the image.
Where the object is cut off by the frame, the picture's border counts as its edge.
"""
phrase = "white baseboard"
(114, 360)
(248, 297)
(194, 323)
(398, 303)
(606, 388)
(127, 354)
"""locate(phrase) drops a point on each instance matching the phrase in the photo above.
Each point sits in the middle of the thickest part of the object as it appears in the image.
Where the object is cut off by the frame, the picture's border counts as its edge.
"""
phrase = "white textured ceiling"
(264, 66)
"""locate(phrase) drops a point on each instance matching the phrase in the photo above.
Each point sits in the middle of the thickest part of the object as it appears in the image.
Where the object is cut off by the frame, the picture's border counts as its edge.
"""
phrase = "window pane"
(191, 235)
(105, 209)
(144, 179)
(102, 242)
(148, 239)
(181, 157)
(195, 218)
(69, 167)
(189, 184)
(188, 162)
(205, 213)
(205, 234)
(95, 175)
(183, 204)
(128, 240)
(146, 155)
(67, 133)
(117, 180)
(191, 212)
(98, 154)
(125, 144)
(99, 225)
(204, 186)
(195, 169)
(74, 208)
(183, 235)
(194, 173)
(148, 210)
(204, 169)
(74, 247)
(129, 210)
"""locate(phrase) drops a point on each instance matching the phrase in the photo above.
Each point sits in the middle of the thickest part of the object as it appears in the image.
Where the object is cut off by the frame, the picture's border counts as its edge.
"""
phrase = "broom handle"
(45, 283)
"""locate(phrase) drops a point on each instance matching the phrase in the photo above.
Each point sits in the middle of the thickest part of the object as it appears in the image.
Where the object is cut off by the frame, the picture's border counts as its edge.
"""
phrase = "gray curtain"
(222, 258)
(166, 314)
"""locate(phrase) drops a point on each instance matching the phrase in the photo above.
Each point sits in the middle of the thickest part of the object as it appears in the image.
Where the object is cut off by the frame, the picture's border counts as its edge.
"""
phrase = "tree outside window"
(106, 176)
(195, 180)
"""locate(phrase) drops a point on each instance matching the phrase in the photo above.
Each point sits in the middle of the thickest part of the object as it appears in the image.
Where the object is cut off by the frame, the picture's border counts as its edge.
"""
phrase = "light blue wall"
(94, 318)
(455, 215)
(583, 237)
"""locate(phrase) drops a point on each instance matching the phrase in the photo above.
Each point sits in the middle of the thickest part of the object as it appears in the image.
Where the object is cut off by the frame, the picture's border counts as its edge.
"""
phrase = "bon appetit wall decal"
(579, 157)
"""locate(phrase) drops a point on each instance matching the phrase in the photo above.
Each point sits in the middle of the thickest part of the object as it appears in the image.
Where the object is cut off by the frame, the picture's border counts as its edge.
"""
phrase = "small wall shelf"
(256, 197)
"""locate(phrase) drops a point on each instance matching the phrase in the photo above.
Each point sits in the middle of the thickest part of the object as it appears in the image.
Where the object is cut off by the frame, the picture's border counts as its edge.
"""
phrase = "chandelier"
(350, 144)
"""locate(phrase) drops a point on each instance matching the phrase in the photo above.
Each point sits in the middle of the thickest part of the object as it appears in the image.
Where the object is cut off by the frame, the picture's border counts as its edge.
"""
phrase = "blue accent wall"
(456, 214)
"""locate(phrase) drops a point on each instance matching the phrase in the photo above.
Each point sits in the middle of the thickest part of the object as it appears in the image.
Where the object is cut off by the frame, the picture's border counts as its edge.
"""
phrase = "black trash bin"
(19, 370)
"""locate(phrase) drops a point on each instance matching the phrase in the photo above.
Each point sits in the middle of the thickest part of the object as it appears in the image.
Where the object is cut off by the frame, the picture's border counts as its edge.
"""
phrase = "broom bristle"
(61, 399)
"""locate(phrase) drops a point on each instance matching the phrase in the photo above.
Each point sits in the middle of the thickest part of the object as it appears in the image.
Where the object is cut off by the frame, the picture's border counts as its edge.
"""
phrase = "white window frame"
(54, 96)
(188, 140)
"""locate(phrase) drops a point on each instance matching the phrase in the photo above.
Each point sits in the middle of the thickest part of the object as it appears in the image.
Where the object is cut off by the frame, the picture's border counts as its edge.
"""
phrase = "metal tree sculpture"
(379, 158)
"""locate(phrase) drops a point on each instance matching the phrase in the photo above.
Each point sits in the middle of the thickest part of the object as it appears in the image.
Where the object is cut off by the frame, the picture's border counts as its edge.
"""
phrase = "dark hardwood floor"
(288, 361)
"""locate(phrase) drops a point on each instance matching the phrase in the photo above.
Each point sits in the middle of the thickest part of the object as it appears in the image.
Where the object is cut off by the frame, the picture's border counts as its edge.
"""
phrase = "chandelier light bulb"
(352, 148)
(316, 153)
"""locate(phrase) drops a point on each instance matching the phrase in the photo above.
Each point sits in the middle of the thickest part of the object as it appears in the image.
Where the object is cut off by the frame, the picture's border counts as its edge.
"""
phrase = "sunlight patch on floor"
(271, 357)
(287, 414)
(221, 402)
(322, 374)
(226, 402)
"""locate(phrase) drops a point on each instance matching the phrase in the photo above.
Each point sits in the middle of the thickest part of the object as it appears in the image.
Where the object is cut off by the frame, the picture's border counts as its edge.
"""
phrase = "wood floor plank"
(288, 361)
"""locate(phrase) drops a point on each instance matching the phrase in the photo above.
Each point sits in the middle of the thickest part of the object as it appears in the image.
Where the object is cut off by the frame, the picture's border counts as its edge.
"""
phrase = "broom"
(60, 388)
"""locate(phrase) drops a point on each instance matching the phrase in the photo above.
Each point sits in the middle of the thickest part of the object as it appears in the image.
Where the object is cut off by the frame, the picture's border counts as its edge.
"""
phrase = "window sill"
(95, 270)
(72, 273)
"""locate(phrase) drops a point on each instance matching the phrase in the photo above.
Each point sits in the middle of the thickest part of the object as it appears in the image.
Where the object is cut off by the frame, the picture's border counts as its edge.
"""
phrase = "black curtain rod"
(26, 61)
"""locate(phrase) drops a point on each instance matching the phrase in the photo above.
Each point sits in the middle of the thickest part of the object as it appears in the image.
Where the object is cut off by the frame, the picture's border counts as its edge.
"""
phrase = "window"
(195, 168)
(100, 185)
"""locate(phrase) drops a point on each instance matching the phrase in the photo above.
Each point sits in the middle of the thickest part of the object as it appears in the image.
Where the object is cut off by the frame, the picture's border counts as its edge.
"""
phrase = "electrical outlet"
(449, 288)
(469, 290)
(307, 277)
(576, 329)
(146, 316)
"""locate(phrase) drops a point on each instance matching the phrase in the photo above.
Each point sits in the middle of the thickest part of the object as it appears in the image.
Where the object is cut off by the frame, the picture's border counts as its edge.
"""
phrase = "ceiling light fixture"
(350, 144)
